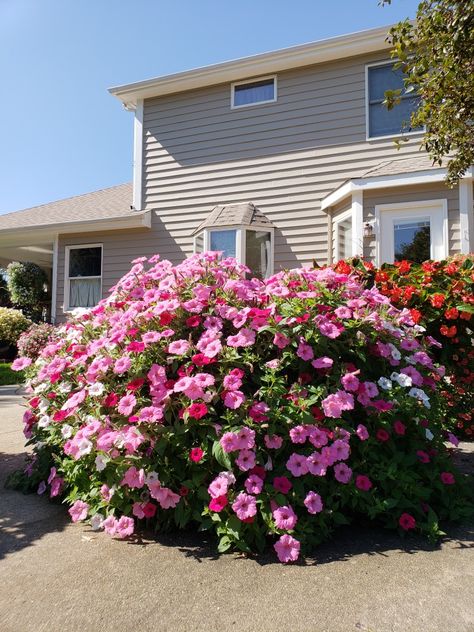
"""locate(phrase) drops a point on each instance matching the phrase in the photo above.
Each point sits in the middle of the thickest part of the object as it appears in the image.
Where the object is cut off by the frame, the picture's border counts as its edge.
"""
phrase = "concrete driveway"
(60, 577)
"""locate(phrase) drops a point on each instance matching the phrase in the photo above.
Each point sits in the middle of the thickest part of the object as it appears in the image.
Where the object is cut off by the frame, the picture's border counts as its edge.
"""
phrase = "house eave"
(297, 56)
(40, 232)
(382, 182)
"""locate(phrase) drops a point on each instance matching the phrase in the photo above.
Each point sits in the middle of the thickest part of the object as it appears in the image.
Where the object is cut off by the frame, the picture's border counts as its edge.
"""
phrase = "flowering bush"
(12, 324)
(31, 342)
(266, 411)
(440, 296)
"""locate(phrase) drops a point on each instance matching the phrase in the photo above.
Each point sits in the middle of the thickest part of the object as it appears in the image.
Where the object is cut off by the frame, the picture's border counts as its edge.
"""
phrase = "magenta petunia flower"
(285, 518)
(245, 506)
(313, 502)
(287, 548)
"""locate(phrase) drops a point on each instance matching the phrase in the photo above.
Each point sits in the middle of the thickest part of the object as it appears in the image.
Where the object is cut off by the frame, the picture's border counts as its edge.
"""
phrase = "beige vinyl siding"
(283, 156)
(415, 193)
(119, 248)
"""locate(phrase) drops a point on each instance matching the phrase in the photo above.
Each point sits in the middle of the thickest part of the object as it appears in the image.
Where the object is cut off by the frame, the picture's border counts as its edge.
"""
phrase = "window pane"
(199, 243)
(84, 292)
(412, 240)
(257, 252)
(85, 262)
(382, 78)
(223, 240)
(254, 92)
(344, 238)
(383, 122)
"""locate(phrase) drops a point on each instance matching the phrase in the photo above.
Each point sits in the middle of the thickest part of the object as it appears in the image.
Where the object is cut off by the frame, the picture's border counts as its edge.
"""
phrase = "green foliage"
(12, 324)
(27, 283)
(7, 376)
(4, 293)
(436, 54)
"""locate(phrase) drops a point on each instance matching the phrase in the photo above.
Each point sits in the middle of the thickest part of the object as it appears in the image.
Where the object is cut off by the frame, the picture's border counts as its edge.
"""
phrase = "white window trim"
(336, 221)
(240, 240)
(367, 108)
(254, 80)
(441, 203)
(66, 308)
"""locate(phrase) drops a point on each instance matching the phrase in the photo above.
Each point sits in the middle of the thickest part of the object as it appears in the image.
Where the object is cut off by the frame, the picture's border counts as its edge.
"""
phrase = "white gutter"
(267, 63)
(383, 182)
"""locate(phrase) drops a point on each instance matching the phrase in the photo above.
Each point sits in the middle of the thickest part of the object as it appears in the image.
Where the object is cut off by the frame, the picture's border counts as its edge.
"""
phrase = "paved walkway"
(60, 577)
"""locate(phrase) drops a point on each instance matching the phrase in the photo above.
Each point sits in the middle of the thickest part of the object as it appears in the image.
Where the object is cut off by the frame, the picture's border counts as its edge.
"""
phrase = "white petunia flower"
(66, 431)
(429, 434)
(44, 421)
(100, 462)
(384, 383)
(85, 447)
(96, 521)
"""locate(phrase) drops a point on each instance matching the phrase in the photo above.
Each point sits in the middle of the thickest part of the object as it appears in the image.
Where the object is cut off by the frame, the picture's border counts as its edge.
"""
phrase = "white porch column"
(466, 223)
(138, 157)
(54, 279)
(357, 223)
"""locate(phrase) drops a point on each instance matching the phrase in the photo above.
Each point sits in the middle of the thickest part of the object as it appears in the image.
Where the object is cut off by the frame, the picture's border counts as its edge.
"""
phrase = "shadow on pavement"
(24, 518)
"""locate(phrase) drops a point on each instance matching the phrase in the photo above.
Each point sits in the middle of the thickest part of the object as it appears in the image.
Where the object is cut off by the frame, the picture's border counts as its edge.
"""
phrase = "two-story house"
(277, 159)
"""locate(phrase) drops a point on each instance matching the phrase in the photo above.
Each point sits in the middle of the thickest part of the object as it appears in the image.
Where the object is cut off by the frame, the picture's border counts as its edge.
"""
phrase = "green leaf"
(224, 544)
(221, 457)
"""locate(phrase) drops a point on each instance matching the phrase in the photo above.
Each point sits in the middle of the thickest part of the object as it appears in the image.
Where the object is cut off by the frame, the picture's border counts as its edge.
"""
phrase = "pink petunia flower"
(285, 518)
(78, 511)
(127, 404)
(246, 460)
(245, 506)
(254, 484)
(287, 548)
(124, 527)
(342, 473)
(313, 502)
(273, 442)
(20, 364)
(297, 464)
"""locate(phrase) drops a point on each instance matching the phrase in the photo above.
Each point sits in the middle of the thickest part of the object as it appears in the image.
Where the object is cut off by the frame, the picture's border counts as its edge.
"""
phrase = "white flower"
(64, 387)
(269, 464)
(100, 462)
(429, 434)
(96, 521)
(96, 389)
(66, 431)
(151, 477)
(230, 478)
(384, 383)
(404, 380)
(44, 421)
(421, 396)
(85, 447)
(396, 355)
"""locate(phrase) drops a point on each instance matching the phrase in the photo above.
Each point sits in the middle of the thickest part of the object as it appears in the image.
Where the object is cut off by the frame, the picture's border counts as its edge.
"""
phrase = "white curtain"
(84, 292)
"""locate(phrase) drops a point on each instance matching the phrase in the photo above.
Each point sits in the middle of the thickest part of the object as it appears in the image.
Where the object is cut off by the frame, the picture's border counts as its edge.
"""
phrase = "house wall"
(284, 156)
(416, 193)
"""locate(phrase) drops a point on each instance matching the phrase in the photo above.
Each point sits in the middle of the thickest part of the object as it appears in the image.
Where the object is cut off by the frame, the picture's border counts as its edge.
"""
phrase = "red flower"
(437, 300)
(197, 410)
(449, 332)
(399, 427)
(363, 483)
(403, 266)
(218, 504)
(415, 315)
(282, 484)
(259, 471)
(406, 521)
(382, 435)
(423, 457)
(166, 318)
(111, 400)
(451, 314)
(149, 509)
(447, 478)
(201, 360)
(193, 321)
(196, 454)
(183, 491)
(135, 384)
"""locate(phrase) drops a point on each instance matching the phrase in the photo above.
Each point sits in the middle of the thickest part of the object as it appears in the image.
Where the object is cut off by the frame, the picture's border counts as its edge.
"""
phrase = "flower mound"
(267, 411)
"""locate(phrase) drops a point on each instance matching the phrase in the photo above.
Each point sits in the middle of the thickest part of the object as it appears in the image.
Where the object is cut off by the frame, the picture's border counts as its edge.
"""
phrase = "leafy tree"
(4, 294)
(436, 53)
(27, 283)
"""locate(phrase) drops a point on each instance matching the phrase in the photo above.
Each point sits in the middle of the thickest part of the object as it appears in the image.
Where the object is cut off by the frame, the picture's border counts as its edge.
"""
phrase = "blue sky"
(62, 134)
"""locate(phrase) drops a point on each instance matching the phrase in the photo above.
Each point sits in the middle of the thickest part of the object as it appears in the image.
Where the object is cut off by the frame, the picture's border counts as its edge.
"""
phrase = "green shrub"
(27, 283)
(12, 324)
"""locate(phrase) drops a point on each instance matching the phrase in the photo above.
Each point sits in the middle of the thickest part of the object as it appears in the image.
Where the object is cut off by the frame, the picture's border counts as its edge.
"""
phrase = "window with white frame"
(250, 246)
(255, 92)
(412, 230)
(83, 276)
(381, 121)
(343, 236)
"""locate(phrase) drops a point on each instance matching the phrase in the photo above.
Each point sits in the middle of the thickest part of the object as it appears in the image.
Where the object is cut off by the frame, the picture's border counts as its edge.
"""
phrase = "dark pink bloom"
(196, 454)
(363, 483)
(406, 521)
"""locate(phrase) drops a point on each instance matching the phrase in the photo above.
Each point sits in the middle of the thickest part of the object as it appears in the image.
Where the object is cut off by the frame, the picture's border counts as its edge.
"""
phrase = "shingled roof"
(241, 214)
(403, 165)
(110, 203)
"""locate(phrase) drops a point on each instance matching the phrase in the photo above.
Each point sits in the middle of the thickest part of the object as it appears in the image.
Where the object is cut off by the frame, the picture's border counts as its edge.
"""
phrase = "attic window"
(256, 92)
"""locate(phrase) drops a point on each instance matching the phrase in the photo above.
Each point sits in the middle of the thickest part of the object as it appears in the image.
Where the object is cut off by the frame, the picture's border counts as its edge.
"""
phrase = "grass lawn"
(7, 376)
